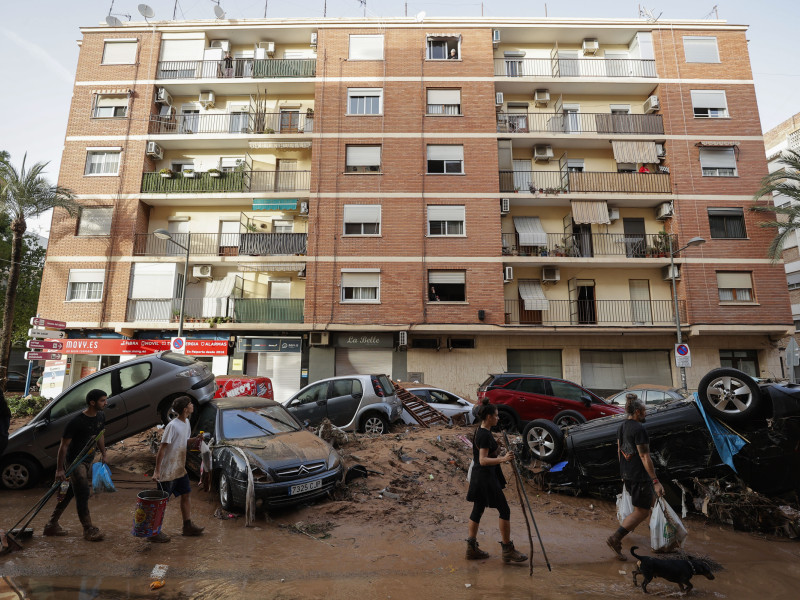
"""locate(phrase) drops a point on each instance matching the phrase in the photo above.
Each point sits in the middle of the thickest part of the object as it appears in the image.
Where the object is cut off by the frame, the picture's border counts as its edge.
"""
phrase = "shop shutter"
(283, 369)
(363, 361)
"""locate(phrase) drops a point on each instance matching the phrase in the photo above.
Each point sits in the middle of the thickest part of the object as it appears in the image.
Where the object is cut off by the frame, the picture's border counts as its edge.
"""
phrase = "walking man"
(170, 471)
(84, 427)
(637, 471)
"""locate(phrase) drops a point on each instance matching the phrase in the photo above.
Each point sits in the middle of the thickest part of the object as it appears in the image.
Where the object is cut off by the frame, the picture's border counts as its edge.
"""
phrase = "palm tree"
(24, 193)
(785, 182)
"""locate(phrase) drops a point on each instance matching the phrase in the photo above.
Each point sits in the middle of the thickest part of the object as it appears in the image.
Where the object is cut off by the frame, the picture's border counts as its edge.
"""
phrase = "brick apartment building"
(436, 200)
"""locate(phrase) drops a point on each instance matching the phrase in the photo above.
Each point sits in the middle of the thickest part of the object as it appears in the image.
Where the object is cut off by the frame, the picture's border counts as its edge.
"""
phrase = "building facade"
(437, 201)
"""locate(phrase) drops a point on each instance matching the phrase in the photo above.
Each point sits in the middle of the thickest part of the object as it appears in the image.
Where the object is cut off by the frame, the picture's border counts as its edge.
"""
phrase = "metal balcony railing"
(238, 310)
(564, 182)
(268, 310)
(574, 67)
(238, 122)
(640, 313)
(232, 181)
(574, 123)
(584, 245)
(222, 244)
(241, 68)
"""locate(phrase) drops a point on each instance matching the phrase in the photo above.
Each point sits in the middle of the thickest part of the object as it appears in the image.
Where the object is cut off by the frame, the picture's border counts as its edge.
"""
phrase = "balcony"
(222, 244)
(198, 310)
(584, 245)
(232, 123)
(547, 68)
(617, 313)
(576, 123)
(551, 182)
(230, 182)
(243, 68)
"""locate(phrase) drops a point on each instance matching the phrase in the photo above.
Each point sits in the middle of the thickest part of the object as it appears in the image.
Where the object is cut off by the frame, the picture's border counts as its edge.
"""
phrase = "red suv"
(521, 398)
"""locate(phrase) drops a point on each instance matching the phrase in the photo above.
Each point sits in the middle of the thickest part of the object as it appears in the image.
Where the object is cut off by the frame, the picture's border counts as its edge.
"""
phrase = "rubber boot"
(511, 554)
(473, 551)
(615, 543)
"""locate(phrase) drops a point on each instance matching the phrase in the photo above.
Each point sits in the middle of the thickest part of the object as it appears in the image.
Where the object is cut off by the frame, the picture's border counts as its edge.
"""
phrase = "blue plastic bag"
(101, 478)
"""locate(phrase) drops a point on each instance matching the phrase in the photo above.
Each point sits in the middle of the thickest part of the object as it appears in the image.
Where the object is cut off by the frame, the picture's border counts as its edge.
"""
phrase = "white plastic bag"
(666, 529)
(624, 505)
(469, 471)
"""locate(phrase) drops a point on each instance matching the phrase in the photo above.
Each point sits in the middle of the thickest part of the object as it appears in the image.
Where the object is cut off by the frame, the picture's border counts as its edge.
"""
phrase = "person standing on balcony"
(227, 63)
(644, 169)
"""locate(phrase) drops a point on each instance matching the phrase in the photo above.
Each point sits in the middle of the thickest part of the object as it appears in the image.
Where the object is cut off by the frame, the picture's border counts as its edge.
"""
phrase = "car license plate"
(305, 487)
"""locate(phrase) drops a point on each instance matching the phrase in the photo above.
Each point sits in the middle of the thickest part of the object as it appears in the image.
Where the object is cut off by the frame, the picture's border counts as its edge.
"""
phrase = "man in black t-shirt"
(83, 428)
(636, 469)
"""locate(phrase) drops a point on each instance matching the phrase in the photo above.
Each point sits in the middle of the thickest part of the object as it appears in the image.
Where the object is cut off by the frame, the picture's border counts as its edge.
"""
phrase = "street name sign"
(40, 345)
(47, 334)
(42, 356)
(39, 322)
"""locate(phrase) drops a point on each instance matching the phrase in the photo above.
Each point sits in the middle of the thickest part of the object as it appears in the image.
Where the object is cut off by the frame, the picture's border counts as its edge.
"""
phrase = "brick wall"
(671, 61)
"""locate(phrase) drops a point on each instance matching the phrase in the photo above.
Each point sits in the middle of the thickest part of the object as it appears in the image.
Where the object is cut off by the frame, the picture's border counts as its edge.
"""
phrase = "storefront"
(279, 358)
(364, 353)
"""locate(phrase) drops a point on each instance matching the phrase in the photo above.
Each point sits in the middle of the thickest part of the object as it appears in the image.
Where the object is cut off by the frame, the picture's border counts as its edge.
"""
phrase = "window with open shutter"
(726, 223)
(362, 219)
(364, 101)
(446, 159)
(444, 102)
(735, 286)
(446, 220)
(447, 286)
(102, 162)
(363, 159)
(718, 162)
(709, 104)
(361, 286)
(85, 285)
(107, 106)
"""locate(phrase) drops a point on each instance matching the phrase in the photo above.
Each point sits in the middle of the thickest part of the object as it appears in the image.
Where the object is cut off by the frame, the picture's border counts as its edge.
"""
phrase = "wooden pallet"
(422, 412)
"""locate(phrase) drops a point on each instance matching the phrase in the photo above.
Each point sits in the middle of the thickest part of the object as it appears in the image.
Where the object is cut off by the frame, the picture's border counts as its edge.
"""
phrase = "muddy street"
(408, 543)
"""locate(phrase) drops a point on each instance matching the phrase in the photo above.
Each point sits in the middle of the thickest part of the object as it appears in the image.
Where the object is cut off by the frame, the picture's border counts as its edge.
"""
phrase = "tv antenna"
(218, 11)
(112, 20)
(420, 16)
(364, 4)
(714, 11)
(146, 11)
(646, 13)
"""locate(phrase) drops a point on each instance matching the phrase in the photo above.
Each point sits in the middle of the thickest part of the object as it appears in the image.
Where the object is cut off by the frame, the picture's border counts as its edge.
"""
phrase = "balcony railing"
(575, 123)
(232, 181)
(564, 182)
(585, 245)
(239, 122)
(238, 310)
(222, 244)
(640, 313)
(574, 67)
(242, 68)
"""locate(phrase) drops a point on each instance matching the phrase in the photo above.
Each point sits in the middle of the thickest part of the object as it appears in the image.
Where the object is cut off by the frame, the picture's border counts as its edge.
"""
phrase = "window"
(102, 162)
(735, 287)
(446, 159)
(361, 285)
(575, 165)
(446, 220)
(362, 219)
(562, 389)
(75, 399)
(366, 47)
(744, 360)
(700, 49)
(443, 47)
(229, 164)
(315, 393)
(444, 102)
(130, 377)
(726, 223)
(542, 362)
(533, 386)
(108, 106)
(709, 104)
(364, 101)
(620, 109)
(793, 280)
(718, 162)
(345, 387)
(447, 286)
(363, 159)
(95, 220)
(85, 285)
(119, 52)
(282, 226)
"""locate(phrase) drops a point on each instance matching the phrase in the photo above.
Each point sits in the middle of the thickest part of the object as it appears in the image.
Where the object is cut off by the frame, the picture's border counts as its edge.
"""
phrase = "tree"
(24, 193)
(785, 182)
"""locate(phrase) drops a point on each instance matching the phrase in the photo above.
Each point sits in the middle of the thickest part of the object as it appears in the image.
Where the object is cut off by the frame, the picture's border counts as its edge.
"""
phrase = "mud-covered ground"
(367, 543)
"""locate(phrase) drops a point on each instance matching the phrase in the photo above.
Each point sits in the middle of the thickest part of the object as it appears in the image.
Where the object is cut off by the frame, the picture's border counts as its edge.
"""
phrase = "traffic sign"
(683, 356)
(47, 334)
(178, 344)
(39, 322)
(42, 356)
(40, 345)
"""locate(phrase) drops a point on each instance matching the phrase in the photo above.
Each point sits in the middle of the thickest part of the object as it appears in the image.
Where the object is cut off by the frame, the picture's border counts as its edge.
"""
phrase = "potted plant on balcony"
(661, 244)
(214, 173)
(166, 173)
(269, 130)
(188, 174)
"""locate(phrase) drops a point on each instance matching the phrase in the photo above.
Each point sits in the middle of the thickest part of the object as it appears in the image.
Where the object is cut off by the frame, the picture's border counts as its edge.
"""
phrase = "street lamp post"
(163, 234)
(695, 241)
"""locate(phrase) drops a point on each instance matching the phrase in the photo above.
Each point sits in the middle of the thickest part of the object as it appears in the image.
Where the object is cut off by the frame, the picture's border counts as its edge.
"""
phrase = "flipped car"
(650, 395)
(452, 406)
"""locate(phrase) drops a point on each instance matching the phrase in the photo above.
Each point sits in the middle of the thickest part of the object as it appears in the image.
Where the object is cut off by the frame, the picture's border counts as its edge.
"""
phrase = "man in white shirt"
(170, 471)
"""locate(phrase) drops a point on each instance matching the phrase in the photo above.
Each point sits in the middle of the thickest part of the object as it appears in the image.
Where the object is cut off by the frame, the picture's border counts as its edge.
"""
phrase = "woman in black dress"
(486, 487)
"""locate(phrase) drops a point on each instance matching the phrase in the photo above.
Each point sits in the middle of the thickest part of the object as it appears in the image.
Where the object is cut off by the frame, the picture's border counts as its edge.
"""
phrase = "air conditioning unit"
(651, 105)
(495, 38)
(551, 274)
(207, 99)
(154, 150)
(590, 46)
(224, 45)
(314, 40)
(498, 99)
(304, 208)
(542, 152)
(202, 271)
(667, 271)
(661, 152)
(541, 97)
(508, 274)
(163, 97)
(268, 47)
(505, 205)
(301, 274)
(664, 211)
(319, 338)
(613, 214)
(402, 339)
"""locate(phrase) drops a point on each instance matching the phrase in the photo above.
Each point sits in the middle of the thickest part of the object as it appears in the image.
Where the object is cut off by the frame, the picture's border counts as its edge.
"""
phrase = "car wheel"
(225, 493)
(729, 395)
(506, 421)
(375, 424)
(569, 417)
(544, 439)
(19, 472)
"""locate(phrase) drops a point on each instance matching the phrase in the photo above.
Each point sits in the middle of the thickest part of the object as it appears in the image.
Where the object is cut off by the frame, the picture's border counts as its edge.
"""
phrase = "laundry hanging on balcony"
(532, 294)
(590, 211)
(216, 295)
(635, 152)
(530, 231)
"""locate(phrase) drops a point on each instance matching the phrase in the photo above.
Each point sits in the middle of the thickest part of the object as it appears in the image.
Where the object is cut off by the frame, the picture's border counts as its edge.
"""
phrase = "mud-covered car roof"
(243, 401)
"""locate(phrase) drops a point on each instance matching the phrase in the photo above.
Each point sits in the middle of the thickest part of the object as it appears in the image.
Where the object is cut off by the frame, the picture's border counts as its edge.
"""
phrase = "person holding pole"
(486, 487)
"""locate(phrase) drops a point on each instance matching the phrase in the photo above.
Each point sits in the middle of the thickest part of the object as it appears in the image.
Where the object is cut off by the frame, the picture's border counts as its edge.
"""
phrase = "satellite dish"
(420, 17)
(219, 12)
(146, 11)
(113, 21)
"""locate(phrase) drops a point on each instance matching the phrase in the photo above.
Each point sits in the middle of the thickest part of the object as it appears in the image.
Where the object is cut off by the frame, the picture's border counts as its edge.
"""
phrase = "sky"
(38, 40)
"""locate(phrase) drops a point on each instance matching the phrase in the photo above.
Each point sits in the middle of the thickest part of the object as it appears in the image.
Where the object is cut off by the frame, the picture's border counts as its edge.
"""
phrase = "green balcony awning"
(274, 204)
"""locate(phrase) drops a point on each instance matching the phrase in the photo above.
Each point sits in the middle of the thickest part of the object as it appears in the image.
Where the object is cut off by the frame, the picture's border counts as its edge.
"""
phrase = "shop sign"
(142, 347)
(365, 340)
(269, 344)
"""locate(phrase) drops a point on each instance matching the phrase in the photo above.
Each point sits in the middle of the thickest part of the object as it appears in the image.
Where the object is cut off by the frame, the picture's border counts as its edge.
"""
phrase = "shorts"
(176, 487)
(642, 493)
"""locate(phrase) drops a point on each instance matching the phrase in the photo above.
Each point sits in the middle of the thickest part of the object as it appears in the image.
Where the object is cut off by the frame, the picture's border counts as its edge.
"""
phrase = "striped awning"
(264, 267)
(530, 231)
(590, 211)
(532, 294)
(281, 145)
(112, 91)
(635, 152)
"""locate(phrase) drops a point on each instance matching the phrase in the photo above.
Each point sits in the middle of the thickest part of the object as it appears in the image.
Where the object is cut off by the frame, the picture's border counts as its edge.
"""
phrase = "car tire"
(567, 418)
(729, 395)
(19, 472)
(506, 421)
(225, 493)
(544, 440)
(374, 424)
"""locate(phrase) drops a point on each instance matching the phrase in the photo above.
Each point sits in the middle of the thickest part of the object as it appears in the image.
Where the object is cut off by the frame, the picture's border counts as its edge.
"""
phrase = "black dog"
(676, 570)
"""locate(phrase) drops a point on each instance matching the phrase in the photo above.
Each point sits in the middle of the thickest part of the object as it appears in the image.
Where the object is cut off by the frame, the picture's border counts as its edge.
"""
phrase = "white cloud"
(35, 50)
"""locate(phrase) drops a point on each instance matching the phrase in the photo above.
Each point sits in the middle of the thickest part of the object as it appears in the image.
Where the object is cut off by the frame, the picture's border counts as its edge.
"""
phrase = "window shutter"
(717, 158)
(447, 277)
(726, 212)
(361, 279)
(366, 47)
(709, 99)
(730, 280)
(103, 101)
(700, 49)
(444, 96)
(87, 276)
(446, 213)
(182, 50)
(153, 280)
(363, 156)
(119, 53)
(362, 213)
(445, 152)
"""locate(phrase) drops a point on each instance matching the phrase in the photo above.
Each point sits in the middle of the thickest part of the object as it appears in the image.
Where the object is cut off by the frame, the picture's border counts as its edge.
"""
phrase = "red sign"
(141, 347)
(41, 345)
(42, 356)
(242, 385)
(37, 322)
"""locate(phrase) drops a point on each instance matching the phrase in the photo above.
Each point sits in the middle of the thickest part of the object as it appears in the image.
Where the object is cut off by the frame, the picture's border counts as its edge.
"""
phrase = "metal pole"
(183, 287)
(675, 307)
(28, 379)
